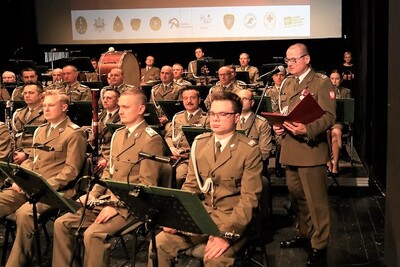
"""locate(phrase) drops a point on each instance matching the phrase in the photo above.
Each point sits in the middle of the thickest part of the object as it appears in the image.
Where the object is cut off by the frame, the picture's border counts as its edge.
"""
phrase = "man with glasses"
(225, 84)
(304, 151)
(231, 164)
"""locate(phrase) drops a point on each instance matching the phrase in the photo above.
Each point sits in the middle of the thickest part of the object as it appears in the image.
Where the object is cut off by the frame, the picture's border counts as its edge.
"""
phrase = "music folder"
(308, 110)
(174, 208)
(34, 184)
(191, 132)
(171, 107)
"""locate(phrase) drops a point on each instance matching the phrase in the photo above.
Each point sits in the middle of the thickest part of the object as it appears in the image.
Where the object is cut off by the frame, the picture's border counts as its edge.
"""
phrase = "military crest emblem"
(135, 24)
(81, 25)
(229, 20)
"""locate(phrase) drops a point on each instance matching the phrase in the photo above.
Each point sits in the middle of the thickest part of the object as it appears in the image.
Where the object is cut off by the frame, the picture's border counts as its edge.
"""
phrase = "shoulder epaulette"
(247, 140)
(20, 109)
(73, 126)
(151, 132)
(321, 75)
(44, 124)
(84, 86)
(180, 112)
(120, 128)
(130, 86)
(261, 118)
(203, 135)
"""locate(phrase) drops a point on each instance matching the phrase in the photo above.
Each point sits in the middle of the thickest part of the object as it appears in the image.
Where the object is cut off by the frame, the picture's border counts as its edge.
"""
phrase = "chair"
(10, 225)
(345, 113)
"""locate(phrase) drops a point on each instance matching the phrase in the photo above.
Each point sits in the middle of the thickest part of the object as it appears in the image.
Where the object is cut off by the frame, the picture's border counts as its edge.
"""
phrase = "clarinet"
(95, 126)
(8, 118)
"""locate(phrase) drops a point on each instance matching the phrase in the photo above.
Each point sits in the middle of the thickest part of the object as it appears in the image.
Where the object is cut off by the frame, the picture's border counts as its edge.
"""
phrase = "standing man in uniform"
(59, 166)
(231, 164)
(125, 164)
(304, 151)
(76, 90)
(193, 115)
(31, 115)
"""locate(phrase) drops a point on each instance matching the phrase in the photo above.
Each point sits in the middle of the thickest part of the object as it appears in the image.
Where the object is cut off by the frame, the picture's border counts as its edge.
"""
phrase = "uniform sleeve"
(150, 169)
(265, 140)
(76, 149)
(5, 145)
(326, 99)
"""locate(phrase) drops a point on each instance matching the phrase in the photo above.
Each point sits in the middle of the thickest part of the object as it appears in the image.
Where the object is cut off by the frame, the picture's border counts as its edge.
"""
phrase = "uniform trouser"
(169, 245)
(308, 188)
(95, 238)
(10, 202)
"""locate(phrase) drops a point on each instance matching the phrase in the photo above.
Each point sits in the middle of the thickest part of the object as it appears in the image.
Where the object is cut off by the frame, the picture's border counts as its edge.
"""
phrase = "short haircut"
(190, 88)
(38, 85)
(228, 96)
(64, 98)
(113, 90)
(336, 71)
(136, 92)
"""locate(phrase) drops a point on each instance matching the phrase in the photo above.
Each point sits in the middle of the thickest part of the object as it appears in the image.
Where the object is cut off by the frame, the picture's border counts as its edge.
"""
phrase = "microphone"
(272, 72)
(43, 147)
(162, 159)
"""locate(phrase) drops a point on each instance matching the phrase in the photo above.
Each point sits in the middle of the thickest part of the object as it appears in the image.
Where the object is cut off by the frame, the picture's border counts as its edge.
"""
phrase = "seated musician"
(149, 74)
(177, 71)
(5, 141)
(59, 165)
(230, 163)
(6, 77)
(125, 164)
(108, 115)
(244, 60)
(255, 126)
(28, 75)
(166, 90)
(56, 79)
(30, 115)
(335, 134)
(226, 84)
(76, 90)
(193, 115)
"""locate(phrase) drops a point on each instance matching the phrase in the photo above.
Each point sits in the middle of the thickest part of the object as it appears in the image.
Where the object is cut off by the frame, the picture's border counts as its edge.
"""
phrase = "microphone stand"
(257, 109)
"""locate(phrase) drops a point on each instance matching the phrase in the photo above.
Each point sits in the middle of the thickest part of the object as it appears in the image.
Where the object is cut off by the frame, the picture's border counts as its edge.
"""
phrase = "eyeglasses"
(293, 59)
(246, 98)
(220, 115)
(224, 74)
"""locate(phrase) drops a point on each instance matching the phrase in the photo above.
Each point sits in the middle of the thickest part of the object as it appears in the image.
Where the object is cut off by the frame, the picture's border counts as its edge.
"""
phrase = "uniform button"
(117, 159)
(129, 159)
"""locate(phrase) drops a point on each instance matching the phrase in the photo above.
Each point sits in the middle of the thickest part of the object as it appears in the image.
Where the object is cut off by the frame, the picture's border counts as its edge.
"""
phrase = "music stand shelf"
(171, 107)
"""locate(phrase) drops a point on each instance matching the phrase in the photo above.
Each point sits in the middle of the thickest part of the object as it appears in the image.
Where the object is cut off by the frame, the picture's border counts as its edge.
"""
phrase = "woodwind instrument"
(8, 122)
(95, 126)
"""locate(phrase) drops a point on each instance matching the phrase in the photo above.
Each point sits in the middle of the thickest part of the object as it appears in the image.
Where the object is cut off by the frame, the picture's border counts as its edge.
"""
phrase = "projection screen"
(144, 21)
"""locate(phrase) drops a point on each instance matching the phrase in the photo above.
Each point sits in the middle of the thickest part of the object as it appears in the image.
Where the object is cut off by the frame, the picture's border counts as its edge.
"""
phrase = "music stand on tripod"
(174, 208)
(37, 189)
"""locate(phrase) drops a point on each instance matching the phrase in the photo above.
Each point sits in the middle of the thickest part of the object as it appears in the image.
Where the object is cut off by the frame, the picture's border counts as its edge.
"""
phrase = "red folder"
(308, 110)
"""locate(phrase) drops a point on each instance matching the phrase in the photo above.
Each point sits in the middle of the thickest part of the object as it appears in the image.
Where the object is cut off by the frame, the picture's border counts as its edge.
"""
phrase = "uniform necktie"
(28, 114)
(127, 133)
(242, 121)
(190, 117)
(297, 81)
(50, 130)
(217, 150)
(109, 116)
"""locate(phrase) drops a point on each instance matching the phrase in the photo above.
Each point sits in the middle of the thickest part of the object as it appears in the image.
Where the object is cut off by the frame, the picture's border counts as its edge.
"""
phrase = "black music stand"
(37, 190)
(171, 107)
(345, 114)
(159, 206)
(30, 129)
(243, 76)
(11, 86)
(82, 64)
(18, 104)
(93, 85)
(191, 132)
(112, 127)
(151, 115)
(211, 65)
(147, 90)
(266, 105)
(80, 112)
(17, 65)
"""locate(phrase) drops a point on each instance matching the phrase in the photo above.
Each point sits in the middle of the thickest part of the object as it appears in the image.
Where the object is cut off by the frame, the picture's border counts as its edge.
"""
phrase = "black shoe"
(296, 242)
(317, 257)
